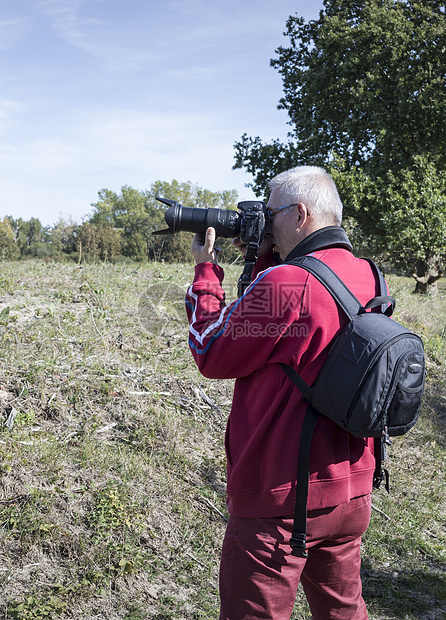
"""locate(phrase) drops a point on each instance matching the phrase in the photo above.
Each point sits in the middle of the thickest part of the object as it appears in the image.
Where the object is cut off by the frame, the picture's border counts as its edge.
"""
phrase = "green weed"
(113, 509)
(37, 607)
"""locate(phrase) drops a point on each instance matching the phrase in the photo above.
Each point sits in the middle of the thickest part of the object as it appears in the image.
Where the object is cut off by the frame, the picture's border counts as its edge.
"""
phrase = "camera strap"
(252, 251)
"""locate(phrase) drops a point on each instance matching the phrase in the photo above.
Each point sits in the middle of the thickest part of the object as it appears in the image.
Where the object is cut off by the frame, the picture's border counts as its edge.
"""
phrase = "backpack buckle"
(383, 475)
(298, 545)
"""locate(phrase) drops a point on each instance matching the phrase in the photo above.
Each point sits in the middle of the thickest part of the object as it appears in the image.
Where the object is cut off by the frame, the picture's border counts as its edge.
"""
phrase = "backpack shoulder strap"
(385, 308)
(382, 282)
(299, 535)
(331, 281)
(340, 292)
(342, 295)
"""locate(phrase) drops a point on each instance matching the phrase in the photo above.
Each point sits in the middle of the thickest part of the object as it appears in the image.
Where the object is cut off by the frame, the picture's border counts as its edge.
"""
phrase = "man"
(285, 316)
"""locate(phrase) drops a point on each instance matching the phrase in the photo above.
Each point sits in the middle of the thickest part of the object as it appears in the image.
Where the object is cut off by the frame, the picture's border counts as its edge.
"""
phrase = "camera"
(248, 223)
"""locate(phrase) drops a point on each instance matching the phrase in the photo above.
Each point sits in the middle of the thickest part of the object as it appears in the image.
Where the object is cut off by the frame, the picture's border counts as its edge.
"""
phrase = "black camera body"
(253, 220)
(248, 223)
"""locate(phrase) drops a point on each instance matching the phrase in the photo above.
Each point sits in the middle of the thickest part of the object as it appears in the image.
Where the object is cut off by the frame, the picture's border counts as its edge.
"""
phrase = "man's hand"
(203, 251)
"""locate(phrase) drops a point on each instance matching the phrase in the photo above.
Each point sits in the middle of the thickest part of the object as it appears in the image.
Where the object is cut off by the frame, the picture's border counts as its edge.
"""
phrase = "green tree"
(8, 247)
(62, 238)
(128, 213)
(364, 88)
(97, 242)
(28, 235)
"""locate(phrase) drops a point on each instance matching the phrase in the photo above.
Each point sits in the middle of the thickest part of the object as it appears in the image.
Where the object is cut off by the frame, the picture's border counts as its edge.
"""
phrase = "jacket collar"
(328, 237)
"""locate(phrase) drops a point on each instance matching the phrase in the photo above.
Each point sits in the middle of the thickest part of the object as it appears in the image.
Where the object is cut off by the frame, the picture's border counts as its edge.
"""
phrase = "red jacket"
(285, 315)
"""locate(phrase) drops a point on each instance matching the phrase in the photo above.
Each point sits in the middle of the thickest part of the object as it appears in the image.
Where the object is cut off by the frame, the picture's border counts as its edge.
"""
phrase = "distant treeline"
(119, 227)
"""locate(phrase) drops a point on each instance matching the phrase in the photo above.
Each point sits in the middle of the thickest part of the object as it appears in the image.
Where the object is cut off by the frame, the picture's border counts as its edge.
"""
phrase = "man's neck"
(322, 238)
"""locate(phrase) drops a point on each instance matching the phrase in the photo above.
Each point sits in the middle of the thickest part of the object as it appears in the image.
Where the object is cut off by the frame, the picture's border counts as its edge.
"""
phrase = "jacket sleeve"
(234, 340)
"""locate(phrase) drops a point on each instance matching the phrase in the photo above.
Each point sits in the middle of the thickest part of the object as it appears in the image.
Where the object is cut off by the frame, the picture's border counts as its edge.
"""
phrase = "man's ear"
(303, 214)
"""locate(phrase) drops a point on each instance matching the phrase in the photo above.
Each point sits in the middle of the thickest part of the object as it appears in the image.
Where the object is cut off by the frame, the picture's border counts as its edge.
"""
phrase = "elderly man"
(285, 316)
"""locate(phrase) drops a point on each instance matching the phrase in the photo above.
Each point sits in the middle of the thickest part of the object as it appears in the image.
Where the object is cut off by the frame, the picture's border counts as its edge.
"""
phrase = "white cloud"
(8, 113)
(81, 32)
(11, 30)
(155, 32)
(10, 23)
(119, 138)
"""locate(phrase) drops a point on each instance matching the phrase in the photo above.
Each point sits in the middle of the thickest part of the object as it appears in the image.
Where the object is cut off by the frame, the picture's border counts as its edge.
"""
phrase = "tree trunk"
(427, 274)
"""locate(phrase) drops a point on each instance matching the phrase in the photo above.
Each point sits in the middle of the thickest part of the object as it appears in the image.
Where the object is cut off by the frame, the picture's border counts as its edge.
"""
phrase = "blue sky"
(104, 93)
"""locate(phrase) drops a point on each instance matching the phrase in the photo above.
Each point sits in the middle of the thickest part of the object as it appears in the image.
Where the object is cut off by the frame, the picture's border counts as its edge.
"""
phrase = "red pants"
(259, 576)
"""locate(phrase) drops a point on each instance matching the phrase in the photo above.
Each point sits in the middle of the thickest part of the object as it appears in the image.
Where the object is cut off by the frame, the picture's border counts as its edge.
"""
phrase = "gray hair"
(312, 186)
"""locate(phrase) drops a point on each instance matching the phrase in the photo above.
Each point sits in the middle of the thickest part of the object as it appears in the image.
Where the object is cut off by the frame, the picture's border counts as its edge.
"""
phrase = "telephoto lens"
(225, 222)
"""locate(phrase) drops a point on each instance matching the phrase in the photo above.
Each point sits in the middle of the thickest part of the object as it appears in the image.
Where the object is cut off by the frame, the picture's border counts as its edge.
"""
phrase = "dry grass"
(112, 501)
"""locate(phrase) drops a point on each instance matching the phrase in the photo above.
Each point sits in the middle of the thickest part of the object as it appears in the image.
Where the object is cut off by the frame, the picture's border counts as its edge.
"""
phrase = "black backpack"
(371, 384)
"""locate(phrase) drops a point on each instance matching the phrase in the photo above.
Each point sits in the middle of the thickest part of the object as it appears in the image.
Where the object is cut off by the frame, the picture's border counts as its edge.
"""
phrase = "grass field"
(112, 469)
